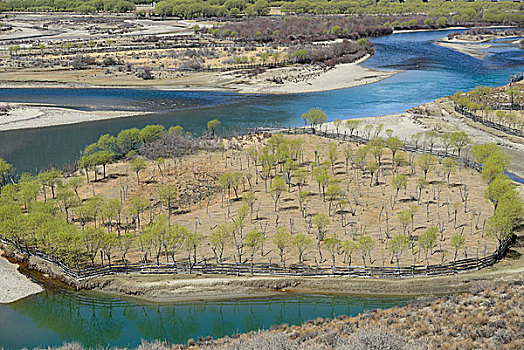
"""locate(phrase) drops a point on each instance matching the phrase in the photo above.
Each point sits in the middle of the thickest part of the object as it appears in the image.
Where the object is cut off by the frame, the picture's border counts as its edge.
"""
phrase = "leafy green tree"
(397, 245)
(394, 144)
(221, 237)
(167, 194)
(278, 186)
(426, 240)
(349, 247)
(128, 140)
(253, 241)
(282, 240)
(6, 170)
(427, 163)
(459, 140)
(449, 165)
(457, 241)
(151, 133)
(332, 245)
(352, 125)
(314, 117)
(137, 165)
(398, 182)
(212, 125)
(365, 245)
(498, 188)
(301, 243)
(321, 222)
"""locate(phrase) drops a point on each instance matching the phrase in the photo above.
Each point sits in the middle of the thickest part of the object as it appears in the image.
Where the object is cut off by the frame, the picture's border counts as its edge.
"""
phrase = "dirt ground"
(370, 203)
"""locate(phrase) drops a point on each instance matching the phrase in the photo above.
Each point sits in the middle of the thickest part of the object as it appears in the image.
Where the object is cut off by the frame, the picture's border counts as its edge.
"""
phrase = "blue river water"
(427, 72)
(54, 317)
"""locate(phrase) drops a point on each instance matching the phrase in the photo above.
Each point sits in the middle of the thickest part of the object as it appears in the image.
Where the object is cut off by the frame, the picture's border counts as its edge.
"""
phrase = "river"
(428, 72)
(55, 316)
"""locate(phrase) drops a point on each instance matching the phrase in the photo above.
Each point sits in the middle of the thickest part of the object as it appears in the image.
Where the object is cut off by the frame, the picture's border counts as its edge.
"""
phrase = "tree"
(321, 222)
(301, 243)
(333, 193)
(332, 155)
(67, 199)
(137, 165)
(512, 92)
(457, 241)
(449, 165)
(314, 117)
(498, 188)
(494, 166)
(253, 241)
(427, 239)
(49, 179)
(128, 139)
(337, 123)
(192, 240)
(28, 188)
(366, 244)
(137, 205)
(426, 163)
(278, 186)
(398, 182)
(352, 125)
(220, 237)
(212, 125)
(349, 247)
(167, 194)
(151, 133)
(332, 245)
(508, 214)
(5, 170)
(397, 245)
(282, 240)
(459, 140)
(430, 137)
(394, 144)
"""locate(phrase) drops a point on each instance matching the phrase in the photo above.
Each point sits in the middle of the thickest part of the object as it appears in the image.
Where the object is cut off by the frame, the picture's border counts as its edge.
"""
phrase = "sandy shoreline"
(467, 48)
(27, 116)
(14, 285)
(295, 79)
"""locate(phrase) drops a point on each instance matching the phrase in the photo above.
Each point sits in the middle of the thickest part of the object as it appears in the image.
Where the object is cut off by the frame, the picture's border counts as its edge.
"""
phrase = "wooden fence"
(489, 123)
(264, 269)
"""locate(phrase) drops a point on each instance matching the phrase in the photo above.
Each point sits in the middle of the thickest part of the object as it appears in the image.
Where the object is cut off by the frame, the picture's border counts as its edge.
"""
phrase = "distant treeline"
(82, 6)
(459, 11)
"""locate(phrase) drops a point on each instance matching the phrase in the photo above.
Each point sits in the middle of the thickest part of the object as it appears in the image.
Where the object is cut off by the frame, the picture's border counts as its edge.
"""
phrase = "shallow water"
(429, 72)
(54, 317)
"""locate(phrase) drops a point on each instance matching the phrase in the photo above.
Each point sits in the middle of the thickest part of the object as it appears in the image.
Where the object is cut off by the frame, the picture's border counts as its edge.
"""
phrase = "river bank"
(171, 288)
(294, 79)
(14, 285)
(27, 116)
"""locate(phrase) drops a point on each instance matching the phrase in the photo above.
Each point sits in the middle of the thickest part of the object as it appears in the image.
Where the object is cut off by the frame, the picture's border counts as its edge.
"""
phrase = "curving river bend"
(428, 72)
(52, 317)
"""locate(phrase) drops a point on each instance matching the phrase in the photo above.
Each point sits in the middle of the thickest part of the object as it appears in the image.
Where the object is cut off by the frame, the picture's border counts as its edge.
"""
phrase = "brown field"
(192, 175)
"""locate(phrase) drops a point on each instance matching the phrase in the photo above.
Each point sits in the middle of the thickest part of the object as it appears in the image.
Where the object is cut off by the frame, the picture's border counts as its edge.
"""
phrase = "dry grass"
(194, 173)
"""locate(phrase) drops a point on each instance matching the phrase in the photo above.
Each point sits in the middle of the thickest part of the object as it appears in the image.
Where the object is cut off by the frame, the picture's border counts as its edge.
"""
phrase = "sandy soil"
(465, 47)
(292, 80)
(24, 116)
(313, 79)
(14, 285)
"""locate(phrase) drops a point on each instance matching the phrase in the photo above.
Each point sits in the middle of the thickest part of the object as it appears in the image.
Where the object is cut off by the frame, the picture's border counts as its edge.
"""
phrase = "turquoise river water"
(55, 316)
